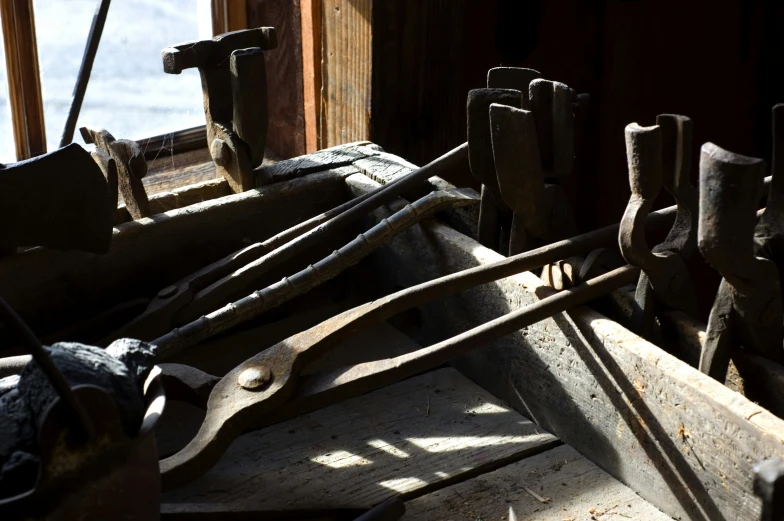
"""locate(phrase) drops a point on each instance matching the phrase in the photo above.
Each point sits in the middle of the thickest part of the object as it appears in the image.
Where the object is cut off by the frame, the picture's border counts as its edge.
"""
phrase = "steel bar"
(323, 389)
(93, 39)
(327, 268)
(237, 284)
(232, 314)
(40, 355)
(266, 381)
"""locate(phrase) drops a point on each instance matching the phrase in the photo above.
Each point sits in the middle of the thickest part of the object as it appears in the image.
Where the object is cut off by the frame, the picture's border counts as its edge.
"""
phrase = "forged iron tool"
(59, 200)
(747, 310)
(315, 274)
(235, 275)
(769, 486)
(540, 210)
(480, 157)
(234, 83)
(667, 281)
(515, 78)
(267, 381)
(231, 315)
(123, 165)
(553, 106)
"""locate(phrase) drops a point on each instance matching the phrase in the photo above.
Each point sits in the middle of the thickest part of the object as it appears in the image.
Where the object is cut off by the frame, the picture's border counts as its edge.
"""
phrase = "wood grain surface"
(557, 485)
(285, 91)
(409, 436)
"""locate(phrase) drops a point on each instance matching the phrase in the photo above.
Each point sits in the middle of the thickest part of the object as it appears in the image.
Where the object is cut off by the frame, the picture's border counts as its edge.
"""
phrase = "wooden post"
(229, 15)
(286, 134)
(24, 83)
(391, 73)
(310, 15)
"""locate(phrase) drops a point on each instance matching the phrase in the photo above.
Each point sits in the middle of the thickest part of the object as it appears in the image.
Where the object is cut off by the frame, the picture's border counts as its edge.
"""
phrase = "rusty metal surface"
(553, 106)
(541, 210)
(312, 276)
(123, 160)
(237, 402)
(667, 282)
(516, 78)
(234, 86)
(747, 310)
(480, 158)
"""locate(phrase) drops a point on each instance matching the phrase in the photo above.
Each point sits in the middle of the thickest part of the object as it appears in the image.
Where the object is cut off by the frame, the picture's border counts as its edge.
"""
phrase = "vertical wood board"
(347, 32)
(285, 94)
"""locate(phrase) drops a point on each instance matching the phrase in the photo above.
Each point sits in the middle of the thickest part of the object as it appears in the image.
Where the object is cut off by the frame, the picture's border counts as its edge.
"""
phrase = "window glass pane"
(128, 93)
(7, 149)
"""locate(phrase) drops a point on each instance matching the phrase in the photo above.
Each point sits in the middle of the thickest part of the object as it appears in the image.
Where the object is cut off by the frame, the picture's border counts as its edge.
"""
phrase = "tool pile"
(520, 145)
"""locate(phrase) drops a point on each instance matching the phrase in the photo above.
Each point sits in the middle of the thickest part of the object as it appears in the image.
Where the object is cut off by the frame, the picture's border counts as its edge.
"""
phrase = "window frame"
(24, 81)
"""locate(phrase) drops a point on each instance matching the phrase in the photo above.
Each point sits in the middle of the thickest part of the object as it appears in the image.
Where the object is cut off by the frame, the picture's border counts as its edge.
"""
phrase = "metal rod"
(93, 39)
(325, 388)
(237, 284)
(232, 314)
(42, 357)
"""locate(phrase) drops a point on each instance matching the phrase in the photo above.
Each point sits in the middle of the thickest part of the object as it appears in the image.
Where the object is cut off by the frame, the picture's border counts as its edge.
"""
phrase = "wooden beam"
(310, 15)
(24, 83)
(286, 134)
(229, 15)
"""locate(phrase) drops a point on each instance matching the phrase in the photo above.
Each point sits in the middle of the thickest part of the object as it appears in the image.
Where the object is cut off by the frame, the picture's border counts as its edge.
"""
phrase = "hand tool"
(266, 381)
(158, 318)
(232, 314)
(540, 210)
(515, 78)
(125, 159)
(747, 310)
(553, 106)
(316, 274)
(238, 283)
(93, 39)
(234, 84)
(666, 273)
(59, 200)
(216, 284)
(769, 486)
(480, 158)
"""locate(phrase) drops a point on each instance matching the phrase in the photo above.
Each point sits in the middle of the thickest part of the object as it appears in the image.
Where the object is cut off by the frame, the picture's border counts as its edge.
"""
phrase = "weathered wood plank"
(310, 16)
(346, 69)
(181, 197)
(53, 288)
(682, 440)
(285, 89)
(569, 487)
(408, 436)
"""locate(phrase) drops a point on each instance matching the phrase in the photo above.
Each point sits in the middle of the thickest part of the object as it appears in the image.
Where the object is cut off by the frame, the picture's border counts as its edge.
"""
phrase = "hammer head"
(212, 53)
(515, 78)
(480, 144)
(60, 200)
(553, 106)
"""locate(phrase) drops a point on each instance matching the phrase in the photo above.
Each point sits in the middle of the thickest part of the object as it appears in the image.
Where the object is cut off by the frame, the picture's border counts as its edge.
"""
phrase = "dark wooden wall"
(720, 63)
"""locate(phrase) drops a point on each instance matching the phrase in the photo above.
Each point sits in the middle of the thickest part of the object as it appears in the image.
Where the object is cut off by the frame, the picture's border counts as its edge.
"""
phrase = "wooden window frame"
(24, 81)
